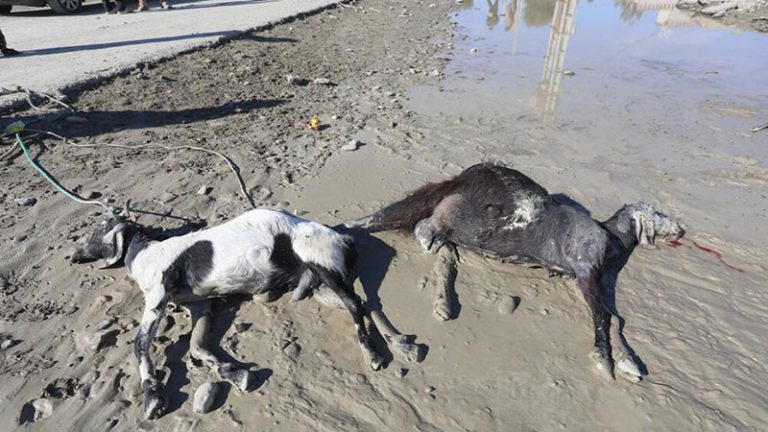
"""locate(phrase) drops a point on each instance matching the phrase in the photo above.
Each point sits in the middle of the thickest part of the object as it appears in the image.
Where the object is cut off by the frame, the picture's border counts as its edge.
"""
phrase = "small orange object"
(314, 124)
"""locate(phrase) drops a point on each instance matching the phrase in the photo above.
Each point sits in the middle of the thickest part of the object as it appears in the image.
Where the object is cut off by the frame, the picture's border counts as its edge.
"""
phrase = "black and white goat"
(258, 252)
(501, 213)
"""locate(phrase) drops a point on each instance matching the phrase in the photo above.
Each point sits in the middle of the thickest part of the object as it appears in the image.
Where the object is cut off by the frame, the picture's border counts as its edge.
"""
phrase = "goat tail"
(406, 213)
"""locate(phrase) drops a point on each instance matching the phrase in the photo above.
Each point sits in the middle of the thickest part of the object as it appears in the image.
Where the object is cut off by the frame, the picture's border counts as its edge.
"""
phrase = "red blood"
(717, 255)
(675, 243)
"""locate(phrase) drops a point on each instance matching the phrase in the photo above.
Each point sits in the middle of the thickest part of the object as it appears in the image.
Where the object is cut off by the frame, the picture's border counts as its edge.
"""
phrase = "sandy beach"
(428, 89)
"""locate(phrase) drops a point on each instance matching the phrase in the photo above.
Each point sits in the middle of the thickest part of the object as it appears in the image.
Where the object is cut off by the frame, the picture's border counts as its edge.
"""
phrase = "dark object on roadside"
(9, 52)
(4, 50)
(118, 7)
(165, 4)
(58, 6)
(501, 213)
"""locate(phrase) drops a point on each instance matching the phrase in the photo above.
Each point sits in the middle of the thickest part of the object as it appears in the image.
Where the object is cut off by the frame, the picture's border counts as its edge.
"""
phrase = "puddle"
(610, 102)
(618, 49)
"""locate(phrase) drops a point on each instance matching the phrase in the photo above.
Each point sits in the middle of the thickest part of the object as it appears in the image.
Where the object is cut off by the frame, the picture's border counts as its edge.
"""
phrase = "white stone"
(26, 201)
(352, 146)
(205, 395)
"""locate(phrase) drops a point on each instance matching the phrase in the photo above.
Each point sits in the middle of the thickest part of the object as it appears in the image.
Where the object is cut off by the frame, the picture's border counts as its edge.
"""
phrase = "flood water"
(611, 101)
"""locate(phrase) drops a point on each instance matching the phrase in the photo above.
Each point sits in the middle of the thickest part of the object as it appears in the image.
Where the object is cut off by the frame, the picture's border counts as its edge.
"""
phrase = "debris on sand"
(7, 342)
(352, 145)
(62, 388)
(314, 124)
(204, 190)
(26, 201)
(296, 80)
(205, 395)
(322, 81)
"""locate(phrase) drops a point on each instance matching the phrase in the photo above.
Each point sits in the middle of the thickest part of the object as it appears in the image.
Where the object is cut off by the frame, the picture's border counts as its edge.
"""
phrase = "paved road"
(63, 50)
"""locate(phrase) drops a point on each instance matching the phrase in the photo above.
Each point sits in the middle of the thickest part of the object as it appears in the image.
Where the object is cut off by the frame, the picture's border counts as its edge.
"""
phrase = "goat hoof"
(376, 362)
(634, 379)
(628, 368)
(603, 366)
(155, 401)
(240, 378)
(441, 311)
(409, 351)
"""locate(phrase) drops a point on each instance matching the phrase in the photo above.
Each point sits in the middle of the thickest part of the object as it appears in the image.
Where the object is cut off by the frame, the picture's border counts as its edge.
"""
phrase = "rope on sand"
(232, 166)
(46, 175)
(18, 127)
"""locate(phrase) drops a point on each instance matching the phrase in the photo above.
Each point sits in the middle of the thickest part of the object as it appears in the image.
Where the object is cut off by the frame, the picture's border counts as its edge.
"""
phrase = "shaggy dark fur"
(500, 212)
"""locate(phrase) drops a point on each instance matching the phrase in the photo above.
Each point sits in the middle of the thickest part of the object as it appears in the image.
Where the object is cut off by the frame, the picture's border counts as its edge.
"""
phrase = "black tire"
(5, 9)
(65, 6)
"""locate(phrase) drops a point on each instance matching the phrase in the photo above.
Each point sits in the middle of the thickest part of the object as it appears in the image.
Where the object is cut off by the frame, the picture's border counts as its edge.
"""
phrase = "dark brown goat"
(501, 213)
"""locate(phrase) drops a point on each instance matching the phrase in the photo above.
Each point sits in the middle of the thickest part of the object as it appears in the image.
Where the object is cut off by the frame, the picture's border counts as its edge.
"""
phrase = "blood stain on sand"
(718, 255)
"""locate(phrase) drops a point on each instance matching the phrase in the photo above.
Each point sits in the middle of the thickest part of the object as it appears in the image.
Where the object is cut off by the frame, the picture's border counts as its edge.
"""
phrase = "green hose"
(53, 181)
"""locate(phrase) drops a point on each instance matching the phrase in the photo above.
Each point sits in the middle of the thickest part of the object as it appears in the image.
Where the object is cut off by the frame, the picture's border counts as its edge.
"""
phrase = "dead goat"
(501, 213)
(261, 251)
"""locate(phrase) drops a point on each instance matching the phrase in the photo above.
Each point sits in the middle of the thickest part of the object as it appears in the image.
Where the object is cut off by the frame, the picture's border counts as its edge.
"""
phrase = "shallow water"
(611, 103)
(658, 107)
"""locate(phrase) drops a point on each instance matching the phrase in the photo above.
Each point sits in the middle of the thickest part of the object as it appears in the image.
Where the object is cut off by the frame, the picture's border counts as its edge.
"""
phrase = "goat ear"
(644, 228)
(115, 243)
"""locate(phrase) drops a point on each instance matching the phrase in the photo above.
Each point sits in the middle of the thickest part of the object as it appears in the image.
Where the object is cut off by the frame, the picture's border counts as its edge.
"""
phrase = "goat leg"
(198, 347)
(307, 283)
(396, 342)
(625, 364)
(601, 354)
(346, 293)
(155, 401)
(443, 277)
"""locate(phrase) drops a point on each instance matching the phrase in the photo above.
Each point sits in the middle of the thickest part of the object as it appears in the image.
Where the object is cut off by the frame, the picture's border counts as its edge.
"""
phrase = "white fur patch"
(528, 208)
(320, 245)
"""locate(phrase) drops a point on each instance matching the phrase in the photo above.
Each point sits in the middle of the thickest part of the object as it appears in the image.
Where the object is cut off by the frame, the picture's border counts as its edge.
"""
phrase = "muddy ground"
(486, 370)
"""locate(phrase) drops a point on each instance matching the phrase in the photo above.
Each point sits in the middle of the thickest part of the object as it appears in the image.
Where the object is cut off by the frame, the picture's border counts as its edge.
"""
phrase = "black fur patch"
(137, 243)
(288, 265)
(190, 268)
(350, 256)
(283, 256)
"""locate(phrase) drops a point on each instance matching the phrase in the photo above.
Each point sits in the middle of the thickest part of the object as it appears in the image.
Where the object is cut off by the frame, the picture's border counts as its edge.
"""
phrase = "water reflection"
(526, 21)
(545, 98)
(539, 13)
(513, 11)
(493, 14)
(631, 10)
(667, 15)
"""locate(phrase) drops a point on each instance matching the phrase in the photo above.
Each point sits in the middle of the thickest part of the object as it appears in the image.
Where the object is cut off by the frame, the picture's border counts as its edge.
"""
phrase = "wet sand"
(424, 105)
